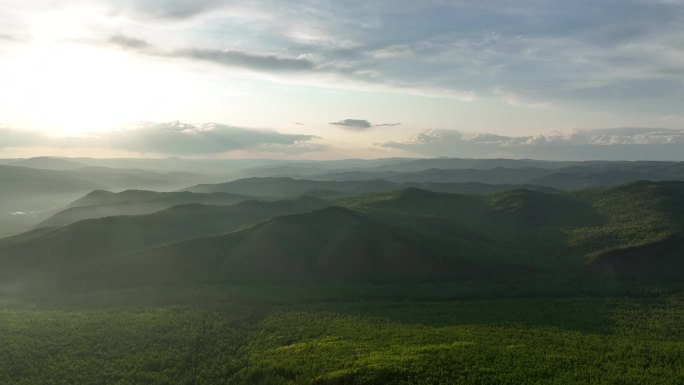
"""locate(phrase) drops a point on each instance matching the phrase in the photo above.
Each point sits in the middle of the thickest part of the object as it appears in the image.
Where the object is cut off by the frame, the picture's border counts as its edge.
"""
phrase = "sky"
(599, 79)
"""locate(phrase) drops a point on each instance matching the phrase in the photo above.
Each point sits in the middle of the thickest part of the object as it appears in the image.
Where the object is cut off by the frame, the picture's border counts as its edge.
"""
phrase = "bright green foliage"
(291, 334)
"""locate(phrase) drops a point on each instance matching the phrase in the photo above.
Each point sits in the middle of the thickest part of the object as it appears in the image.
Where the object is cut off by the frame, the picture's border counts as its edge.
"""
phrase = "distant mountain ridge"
(285, 186)
(48, 163)
(632, 231)
(102, 203)
(561, 176)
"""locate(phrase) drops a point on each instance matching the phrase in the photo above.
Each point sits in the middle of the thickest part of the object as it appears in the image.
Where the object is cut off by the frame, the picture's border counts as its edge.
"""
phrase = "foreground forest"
(439, 333)
(351, 272)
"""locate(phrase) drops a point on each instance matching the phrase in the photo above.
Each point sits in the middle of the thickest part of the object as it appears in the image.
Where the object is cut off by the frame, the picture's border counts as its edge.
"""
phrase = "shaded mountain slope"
(663, 259)
(534, 209)
(328, 244)
(561, 232)
(502, 230)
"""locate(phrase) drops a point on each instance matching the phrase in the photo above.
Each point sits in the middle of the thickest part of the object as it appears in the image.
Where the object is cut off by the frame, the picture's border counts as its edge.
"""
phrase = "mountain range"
(632, 231)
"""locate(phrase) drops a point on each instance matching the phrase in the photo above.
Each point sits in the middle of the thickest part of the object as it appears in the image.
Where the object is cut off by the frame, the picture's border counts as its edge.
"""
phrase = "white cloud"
(608, 143)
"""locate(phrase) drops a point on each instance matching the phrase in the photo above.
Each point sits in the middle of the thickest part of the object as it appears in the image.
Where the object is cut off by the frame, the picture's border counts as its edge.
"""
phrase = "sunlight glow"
(77, 86)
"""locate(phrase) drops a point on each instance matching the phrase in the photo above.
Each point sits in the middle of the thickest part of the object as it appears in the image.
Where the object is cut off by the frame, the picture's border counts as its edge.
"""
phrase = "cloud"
(584, 57)
(629, 143)
(168, 9)
(186, 139)
(518, 100)
(128, 42)
(433, 142)
(529, 54)
(258, 62)
(174, 138)
(312, 61)
(360, 124)
(353, 124)
(627, 135)
(14, 39)
(230, 58)
(387, 124)
(299, 147)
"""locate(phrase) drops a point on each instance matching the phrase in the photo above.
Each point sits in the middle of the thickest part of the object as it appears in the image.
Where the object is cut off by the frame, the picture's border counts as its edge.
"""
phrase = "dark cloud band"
(353, 124)
(230, 58)
(360, 124)
(257, 62)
